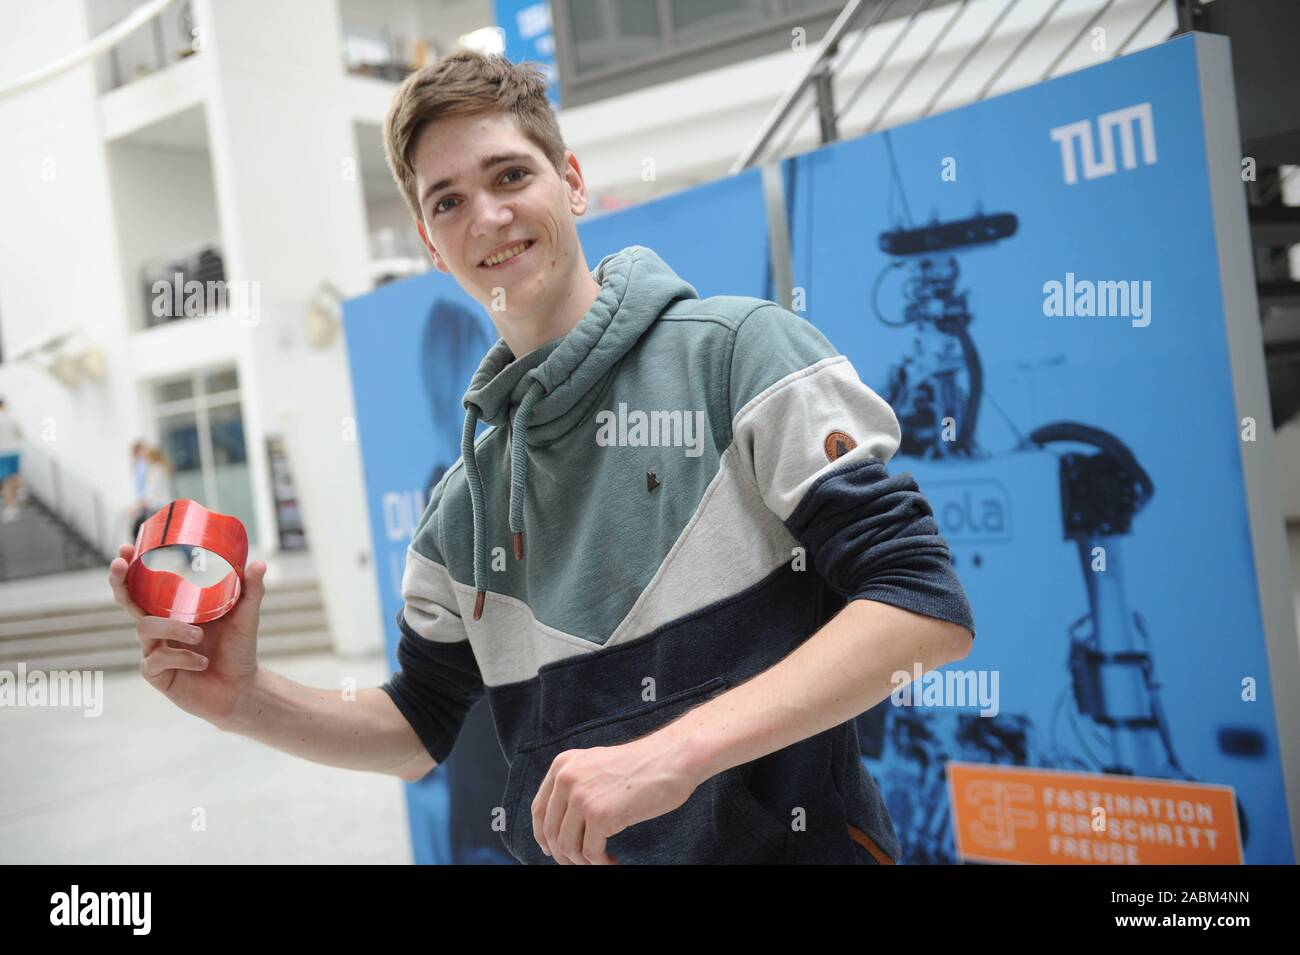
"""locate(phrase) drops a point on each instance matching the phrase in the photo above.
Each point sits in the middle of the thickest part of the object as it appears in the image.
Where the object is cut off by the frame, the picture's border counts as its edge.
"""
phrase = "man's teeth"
(509, 253)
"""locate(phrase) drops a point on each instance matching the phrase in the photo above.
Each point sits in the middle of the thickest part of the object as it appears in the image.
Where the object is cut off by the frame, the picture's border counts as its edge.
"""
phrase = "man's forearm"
(841, 671)
(367, 733)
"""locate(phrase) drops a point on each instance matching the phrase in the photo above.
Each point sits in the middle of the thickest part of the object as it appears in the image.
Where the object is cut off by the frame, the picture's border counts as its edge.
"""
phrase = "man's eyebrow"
(485, 164)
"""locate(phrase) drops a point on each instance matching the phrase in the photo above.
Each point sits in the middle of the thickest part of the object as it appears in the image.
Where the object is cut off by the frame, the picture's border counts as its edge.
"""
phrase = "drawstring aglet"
(478, 604)
(519, 545)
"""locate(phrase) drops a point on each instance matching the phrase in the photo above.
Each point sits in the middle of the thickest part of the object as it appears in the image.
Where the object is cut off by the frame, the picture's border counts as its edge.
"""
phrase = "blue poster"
(1032, 283)
(529, 35)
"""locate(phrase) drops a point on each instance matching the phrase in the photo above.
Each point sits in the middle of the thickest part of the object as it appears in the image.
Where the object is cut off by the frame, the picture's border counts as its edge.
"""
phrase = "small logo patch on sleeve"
(838, 444)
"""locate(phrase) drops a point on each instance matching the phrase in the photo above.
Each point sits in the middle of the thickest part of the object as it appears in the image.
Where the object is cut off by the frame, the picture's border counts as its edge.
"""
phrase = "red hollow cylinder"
(187, 523)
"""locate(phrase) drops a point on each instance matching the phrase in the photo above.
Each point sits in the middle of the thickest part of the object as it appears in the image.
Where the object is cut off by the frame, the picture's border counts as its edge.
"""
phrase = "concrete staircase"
(38, 542)
(99, 635)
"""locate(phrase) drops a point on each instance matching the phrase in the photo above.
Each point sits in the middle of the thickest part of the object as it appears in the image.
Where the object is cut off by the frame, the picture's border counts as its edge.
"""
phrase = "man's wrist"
(247, 706)
(696, 754)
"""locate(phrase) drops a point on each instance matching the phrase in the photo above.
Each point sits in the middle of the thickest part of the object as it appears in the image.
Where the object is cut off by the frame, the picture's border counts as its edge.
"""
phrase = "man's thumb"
(250, 601)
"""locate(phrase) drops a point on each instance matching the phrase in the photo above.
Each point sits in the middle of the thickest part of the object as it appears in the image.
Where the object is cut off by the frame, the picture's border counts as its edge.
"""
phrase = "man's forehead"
(458, 145)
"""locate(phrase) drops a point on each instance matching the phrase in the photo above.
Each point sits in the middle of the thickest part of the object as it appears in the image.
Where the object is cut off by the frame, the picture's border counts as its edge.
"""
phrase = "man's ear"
(577, 186)
(433, 253)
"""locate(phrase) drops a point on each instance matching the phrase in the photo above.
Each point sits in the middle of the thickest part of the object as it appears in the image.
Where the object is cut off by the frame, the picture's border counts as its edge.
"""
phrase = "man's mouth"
(498, 259)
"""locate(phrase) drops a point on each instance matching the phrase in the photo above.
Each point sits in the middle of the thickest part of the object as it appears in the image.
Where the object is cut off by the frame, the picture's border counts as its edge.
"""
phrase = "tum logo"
(1094, 165)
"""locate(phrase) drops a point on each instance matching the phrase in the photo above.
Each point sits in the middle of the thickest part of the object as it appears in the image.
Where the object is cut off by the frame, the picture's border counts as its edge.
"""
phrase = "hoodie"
(665, 502)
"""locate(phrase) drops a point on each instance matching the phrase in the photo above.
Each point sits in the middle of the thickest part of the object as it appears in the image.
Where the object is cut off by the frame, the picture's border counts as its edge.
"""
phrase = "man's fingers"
(540, 804)
(593, 846)
(246, 611)
(164, 628)
(573, 835)
(161, 659)
(117, 580)
(553, 823)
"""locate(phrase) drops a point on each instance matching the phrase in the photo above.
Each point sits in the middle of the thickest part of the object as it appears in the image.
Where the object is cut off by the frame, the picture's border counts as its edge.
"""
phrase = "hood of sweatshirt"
(540, 395)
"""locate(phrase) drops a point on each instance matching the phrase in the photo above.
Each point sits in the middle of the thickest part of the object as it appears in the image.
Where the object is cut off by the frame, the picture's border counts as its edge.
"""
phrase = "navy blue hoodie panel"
(434, 687)
(793, 805)
(872, 536)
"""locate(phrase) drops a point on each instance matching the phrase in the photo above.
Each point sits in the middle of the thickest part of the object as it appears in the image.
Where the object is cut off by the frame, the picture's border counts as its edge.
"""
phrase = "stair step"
(128, 658)
(112, 617)
(37, 544)
(46, 567)
(286, 594)
(71, 644)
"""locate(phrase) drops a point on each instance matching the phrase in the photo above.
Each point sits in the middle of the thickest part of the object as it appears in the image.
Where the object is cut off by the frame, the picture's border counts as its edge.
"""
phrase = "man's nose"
(490, 215)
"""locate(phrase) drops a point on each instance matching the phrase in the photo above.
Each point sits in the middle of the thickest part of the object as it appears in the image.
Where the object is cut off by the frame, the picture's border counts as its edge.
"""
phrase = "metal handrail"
(824, 66)
(843, 23)
(71, 501)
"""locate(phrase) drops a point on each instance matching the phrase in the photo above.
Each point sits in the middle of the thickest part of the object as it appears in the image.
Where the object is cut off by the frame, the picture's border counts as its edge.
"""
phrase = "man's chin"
(501, 300)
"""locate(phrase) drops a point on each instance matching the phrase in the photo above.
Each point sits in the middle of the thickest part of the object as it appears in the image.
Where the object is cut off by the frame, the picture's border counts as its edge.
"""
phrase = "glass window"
(227, 429)
(201, 430)
(606, 32)
(179, 435)
(227, 380)
(608, 45)
(230, 464)
(176, 390)
(699, 19)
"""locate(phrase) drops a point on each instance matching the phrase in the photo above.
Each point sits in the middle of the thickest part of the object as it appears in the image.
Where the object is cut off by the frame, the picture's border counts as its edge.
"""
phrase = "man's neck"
(528, 333)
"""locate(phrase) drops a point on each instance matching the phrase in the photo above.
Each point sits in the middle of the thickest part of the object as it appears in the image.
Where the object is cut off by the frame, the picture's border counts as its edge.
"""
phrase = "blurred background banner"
(1081, 448)
(529, 35)
(1081, 445)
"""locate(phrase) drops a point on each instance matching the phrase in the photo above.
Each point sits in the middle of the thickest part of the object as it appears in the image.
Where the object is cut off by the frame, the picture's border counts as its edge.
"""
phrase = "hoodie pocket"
(868, 852)
(721, 822)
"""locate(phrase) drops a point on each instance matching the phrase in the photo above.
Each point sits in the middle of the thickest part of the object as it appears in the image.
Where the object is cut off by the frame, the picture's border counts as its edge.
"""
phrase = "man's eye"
(520, 170)
(438, 207)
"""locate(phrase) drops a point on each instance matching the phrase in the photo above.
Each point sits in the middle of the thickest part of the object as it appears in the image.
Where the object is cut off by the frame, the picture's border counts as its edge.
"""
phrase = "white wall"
(293, 218)
(165, 206)
(271, 183)
(407, 20)
(58, 249)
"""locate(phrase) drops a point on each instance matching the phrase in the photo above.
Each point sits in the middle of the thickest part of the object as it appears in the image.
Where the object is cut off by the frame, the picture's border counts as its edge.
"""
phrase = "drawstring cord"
(519, 466)
(476, 504)
(518, 476)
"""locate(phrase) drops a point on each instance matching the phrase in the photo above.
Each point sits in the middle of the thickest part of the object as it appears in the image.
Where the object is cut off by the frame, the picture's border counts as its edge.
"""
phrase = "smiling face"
(499, 218)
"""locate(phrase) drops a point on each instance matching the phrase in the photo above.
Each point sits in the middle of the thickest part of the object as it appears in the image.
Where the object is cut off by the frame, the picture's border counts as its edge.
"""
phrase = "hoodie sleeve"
(439, 679)
(816, 441)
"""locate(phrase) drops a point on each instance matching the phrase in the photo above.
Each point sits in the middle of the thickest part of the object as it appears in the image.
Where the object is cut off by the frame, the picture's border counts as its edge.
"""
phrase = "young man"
(674, 562)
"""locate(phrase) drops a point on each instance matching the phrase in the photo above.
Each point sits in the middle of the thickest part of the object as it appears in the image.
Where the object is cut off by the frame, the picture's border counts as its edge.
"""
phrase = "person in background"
(154, 488)
(139, 475)
(157, 480)
(11, 437)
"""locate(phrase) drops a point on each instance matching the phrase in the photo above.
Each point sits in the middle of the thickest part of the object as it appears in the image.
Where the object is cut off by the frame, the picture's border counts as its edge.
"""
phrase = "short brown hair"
(466, 83)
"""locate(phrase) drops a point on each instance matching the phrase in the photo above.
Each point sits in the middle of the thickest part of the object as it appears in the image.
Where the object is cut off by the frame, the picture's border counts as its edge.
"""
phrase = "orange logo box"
(1044, 816)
